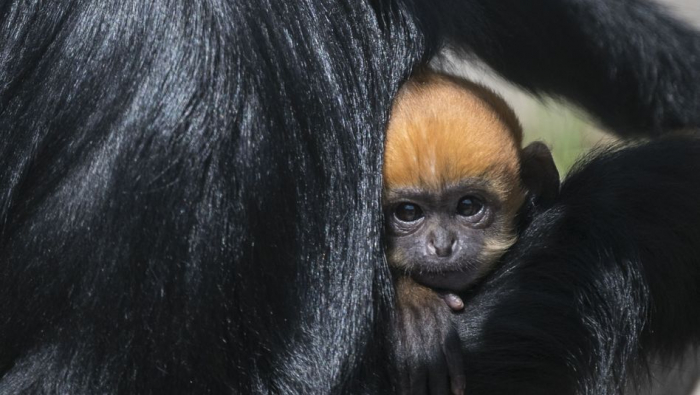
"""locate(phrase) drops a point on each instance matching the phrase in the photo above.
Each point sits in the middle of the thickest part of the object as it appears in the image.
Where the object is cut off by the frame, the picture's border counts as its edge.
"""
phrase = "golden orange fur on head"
(444, 130)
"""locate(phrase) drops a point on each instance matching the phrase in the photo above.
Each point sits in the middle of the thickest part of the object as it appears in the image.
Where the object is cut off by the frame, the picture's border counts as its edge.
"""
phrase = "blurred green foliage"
(567, 133)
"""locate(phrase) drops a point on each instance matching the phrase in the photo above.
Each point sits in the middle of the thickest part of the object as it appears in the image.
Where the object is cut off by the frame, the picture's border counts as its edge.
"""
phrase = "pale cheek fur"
(493, 249)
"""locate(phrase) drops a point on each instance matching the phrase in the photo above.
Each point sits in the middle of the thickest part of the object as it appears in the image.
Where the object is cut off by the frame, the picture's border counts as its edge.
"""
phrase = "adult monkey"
(190, 190)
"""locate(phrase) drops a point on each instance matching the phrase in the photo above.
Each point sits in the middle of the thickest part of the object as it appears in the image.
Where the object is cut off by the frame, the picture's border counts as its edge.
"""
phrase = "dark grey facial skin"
(438, 237)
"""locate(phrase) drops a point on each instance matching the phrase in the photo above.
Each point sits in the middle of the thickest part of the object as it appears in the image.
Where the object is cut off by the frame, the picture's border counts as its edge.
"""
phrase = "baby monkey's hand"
(427, 348)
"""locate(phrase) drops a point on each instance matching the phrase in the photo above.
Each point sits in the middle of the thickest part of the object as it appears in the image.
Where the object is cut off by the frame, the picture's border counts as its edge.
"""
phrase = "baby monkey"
(457, 187)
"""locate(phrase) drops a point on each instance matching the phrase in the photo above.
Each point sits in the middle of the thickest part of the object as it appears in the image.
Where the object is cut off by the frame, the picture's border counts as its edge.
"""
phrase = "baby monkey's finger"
(453, 301)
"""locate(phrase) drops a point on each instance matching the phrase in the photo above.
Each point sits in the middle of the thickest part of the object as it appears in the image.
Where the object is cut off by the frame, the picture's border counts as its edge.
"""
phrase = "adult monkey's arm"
(627, 62)
(598, 285)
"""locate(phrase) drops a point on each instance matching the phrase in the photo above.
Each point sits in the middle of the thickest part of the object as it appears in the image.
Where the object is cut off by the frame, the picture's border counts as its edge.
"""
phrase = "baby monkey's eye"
(469, 206)
(408, 212)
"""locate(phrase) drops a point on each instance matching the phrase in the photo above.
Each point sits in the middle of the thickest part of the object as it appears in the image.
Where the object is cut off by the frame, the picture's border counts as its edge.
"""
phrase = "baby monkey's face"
(455, 176)
(446, 238)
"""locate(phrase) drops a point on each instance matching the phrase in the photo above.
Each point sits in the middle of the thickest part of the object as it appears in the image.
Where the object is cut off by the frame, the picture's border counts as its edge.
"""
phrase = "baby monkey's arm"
(426, 345)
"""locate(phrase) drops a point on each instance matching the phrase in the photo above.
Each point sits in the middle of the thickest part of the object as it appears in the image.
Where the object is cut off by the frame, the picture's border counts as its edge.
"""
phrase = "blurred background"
(566, 129)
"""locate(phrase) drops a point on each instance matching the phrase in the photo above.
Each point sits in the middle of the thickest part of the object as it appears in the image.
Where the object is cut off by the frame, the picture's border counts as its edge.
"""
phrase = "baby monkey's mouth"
(454, 281)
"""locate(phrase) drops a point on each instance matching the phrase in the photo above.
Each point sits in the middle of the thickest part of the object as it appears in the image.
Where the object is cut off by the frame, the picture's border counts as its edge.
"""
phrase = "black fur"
(190, 191)
(599, 285)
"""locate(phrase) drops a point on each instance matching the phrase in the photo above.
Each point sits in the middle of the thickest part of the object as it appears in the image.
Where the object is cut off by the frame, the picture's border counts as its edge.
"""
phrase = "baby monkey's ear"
(540, 177)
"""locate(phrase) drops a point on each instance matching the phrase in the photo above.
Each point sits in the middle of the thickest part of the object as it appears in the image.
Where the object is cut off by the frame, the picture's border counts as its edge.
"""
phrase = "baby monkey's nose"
(441, 244)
